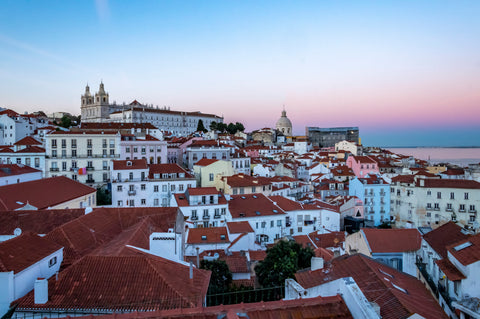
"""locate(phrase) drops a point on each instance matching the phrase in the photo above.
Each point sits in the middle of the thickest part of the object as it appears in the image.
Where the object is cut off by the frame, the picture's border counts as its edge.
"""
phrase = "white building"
(204, 207)
(24, 259)
(97, 108)
(14, 173)
(14, 127)
(137, 184)
(433, 202)
(83, 156)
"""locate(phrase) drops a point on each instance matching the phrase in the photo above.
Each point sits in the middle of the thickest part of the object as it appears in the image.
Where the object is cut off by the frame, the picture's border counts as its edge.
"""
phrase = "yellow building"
(207, 171)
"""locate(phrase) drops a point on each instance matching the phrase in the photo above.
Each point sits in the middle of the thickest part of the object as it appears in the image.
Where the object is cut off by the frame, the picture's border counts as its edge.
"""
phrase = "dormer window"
(222, 237)
(129, 163)
(204, 237)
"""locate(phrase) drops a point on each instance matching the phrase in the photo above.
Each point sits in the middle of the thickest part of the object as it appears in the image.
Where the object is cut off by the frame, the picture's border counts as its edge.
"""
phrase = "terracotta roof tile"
(196, 191)
(21, 252)
(327, 240)
(130, 164)
(36, 221)
(318, 308)
(205, 162)
(449, 270)
(15, 169)
(42, 193)
(399, 295)
(252, 205)
(392, 240)
(443, 236)
(466, 251)
(170, 168)
(115, 126)
(28, 140)
(31, 149)
(142, 282)
(207, 235)
(448, 183)
(239, 227)
(257, 255)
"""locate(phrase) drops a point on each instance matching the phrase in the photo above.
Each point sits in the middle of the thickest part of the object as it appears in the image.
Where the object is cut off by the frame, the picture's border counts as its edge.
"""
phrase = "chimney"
(316, 263)
(191, 270)
(41, 291)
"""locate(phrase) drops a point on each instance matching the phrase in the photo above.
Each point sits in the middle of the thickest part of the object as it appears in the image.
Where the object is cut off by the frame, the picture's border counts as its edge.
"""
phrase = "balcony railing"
(90, 168)
(194, 218)
(54, 169)
(422, 268)
(461, 210)
(90, 181)
(216, 216)
(308, 222)
(472, 210)
(132, 192)
(288, 224)
(206, 216)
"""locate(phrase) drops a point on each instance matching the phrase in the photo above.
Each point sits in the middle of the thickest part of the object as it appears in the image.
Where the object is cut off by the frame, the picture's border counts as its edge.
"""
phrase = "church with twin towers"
(96, 108)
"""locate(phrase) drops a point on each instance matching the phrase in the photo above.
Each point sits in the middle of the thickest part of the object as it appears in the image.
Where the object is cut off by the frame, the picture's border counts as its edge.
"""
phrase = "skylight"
(385, 273)
(400, 288)
(257, 212)
(462, 246)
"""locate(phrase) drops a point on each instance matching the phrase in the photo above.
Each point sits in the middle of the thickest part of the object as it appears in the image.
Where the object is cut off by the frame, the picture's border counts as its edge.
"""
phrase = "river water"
(458, 156)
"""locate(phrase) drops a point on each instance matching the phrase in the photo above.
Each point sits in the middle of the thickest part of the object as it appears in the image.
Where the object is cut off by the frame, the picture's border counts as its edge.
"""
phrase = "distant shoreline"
(428, 146)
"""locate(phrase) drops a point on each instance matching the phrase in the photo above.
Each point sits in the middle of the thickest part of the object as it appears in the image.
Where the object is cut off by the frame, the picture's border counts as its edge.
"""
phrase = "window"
(54, 143)
(64, 153)
(74, 143)
(429, 193)
(119, 203)
(155, 188)
(439, 195)
(89, 153)
(131, 203)
(64, 166)
(74, 177)
(143, 187)
(127, 150)
(19, 160)
(130, 175)
(37, 162)
(211, 177)
(164, 188)
(437, 206)
(224, 211)
(272, 223)
(105, 177)
(472, 208)
(194, 213)
(52, 261)
(264, 224)
(449, 206)
(205, 213)
(144, 201)
(462, 208)
(89, 143)
(466, 196)
(452, 195)
(54, 153)
(144, 150)
(180, 187)
(172, 187)
(74, 153)
(27, 161)
(112, 152)
(155, 202)
(279, 223)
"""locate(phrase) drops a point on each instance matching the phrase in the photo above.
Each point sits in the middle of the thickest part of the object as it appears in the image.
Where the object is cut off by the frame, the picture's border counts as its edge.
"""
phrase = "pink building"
(147, 147)
(363, 166)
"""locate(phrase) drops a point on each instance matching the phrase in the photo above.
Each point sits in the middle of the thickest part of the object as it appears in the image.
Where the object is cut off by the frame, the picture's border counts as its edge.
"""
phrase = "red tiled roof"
(83, 235)
(327, 240)
(364, 159)
(239, 227)
(28, 140)
(130, 164)
(392, 240)
(21, 252)
(287, 204)
(257, 255)
(443, 236)
(196, 191)
(380, 284)
(408, 179)
(449, 270)
(15, 169)
(252, 205)
(123, 283)
(242, 180)
(42, 193)
(83, 132)
(468, 255)
(10, 113)
(166, 169)
(448, 183)
(309, 308)
(205, 162)
(36, 221)
(31, 149)
(211, 235)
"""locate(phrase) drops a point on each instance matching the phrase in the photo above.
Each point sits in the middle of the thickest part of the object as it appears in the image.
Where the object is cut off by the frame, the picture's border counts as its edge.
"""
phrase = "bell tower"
(101, 97)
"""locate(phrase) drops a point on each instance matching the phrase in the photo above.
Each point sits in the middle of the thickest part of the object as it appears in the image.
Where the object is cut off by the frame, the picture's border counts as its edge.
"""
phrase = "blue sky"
(405, 72)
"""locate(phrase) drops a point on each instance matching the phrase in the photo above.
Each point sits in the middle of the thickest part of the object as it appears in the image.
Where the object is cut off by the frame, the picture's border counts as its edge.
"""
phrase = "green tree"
(240, 127)
(231, 128)
(221, 276)
(66, 121)
(200, 126)
(104, 196)
(283, 261)
(213, 126)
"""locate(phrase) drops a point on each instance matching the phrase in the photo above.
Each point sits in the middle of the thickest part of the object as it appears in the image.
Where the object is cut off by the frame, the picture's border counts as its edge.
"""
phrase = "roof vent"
(462, 246)
(243, 197)
(254, 196)
(275, 211)
(257, 212)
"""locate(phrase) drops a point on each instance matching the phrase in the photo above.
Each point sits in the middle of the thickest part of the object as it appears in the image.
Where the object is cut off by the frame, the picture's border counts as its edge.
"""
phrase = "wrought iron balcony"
(132, 192)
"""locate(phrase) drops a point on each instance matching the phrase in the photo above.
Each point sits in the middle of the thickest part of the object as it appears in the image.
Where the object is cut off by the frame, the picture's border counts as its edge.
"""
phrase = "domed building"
(284, 125)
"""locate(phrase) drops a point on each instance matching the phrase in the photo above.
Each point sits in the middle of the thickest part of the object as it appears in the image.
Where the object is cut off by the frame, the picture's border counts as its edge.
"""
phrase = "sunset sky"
(405, 72)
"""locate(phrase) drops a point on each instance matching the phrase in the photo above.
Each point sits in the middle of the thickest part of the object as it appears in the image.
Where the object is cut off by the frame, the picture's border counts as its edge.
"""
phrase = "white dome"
(284, 125)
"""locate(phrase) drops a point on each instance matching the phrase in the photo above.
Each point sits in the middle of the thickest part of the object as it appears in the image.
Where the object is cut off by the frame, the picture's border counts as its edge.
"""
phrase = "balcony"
(422, 268)
(473, 211)
(90, 168)
(462, 210)
(132, 192)
(449, 209)
(194, 217)
(104, 145)
(105, 168)
(206, 216)
(216, 216)
(89, 145)
(54, 169)
(90, 181)
(288, 224)
(308, 222)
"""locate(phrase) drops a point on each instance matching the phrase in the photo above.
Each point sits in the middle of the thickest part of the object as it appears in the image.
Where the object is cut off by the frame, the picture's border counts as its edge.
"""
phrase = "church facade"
(97, 108)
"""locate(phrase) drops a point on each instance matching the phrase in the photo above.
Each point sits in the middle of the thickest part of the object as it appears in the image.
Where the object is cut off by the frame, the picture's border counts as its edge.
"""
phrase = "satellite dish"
(17, 232)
